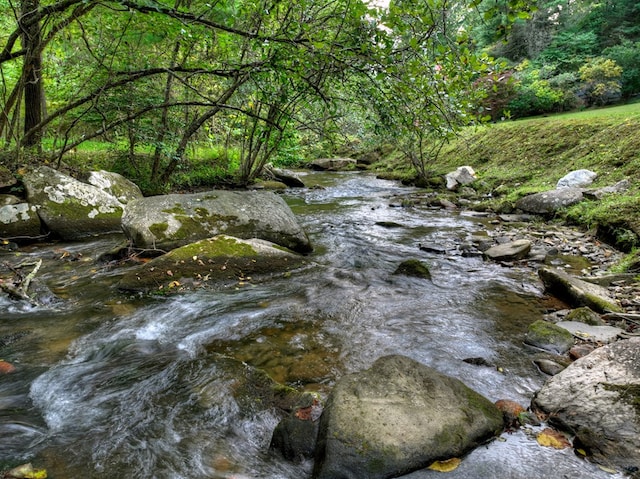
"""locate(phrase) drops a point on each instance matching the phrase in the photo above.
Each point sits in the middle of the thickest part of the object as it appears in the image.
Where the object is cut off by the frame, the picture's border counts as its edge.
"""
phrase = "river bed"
(113, 386)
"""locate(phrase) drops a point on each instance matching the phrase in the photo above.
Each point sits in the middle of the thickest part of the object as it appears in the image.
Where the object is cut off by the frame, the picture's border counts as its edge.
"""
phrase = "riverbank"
(517, 158)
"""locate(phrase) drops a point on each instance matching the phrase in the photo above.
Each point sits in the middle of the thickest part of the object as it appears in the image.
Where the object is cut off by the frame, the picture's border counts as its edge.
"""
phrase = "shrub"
(601, 78)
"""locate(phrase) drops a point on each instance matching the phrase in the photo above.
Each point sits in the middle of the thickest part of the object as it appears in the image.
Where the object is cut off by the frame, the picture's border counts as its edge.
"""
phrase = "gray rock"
(586, 332)
(69, 208)
(463, 175)
(511, 251)
(548, 366)
(116, 185)
(171, 221)
(548, 202)
(333, 164)
(19, 220)
(289, 178)
(397, 417)
(596, 398)
(620, 187)
(577, 179)
(576, 291)
(548, 336)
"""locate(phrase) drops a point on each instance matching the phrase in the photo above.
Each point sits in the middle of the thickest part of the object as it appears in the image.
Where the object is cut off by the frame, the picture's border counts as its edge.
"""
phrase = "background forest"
(187, 93)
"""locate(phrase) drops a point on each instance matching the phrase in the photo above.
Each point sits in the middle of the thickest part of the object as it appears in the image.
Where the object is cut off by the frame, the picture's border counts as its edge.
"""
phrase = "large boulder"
(548, 202)
(333, 164)
(577, 292)
(577, 179)
(463, 175)
(212, 261)
(597, 399)
(170, 221)
(397, 417)
(69, 208)
(115, 185)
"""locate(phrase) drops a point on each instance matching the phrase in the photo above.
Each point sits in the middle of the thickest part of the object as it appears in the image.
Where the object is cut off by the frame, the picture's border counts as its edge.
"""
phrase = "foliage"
(601, 77)
(626, 55)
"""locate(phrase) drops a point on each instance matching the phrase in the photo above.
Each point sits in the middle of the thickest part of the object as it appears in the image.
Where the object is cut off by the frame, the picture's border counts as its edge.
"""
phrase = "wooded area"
(234, 84)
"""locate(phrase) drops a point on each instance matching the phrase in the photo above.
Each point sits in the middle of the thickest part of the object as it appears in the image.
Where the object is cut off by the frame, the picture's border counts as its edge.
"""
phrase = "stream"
(116, 386)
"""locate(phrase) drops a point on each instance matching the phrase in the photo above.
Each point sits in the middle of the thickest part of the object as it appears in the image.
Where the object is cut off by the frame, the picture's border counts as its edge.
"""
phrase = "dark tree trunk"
(32, 72)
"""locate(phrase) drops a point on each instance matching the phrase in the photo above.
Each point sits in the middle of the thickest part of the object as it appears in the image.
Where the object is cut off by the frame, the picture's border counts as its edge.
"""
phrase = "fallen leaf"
(26, 471)
(550, 438)
(6, 367)
(174, 284)
(169, 273)
(446, 466)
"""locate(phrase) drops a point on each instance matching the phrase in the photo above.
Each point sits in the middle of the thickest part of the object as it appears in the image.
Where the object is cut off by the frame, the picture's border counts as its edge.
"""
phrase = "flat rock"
(596, 334)
(210, 262)
(596, 399)
(576, 291)
(512, 251)
(548, 202)
(397, 417)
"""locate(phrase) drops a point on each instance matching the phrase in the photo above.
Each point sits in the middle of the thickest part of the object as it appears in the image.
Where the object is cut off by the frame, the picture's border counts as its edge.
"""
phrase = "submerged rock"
(397, 417)
(413, 267)
(597, 398)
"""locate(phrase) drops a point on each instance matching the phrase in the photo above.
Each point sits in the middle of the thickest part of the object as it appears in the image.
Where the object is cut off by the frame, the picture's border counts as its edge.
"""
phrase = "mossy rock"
(585, 315)
(415, 268)
(545, 335)
(214, 261)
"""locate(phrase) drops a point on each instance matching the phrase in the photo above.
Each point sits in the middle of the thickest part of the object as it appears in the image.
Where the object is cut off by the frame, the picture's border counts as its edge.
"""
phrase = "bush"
(601, 78)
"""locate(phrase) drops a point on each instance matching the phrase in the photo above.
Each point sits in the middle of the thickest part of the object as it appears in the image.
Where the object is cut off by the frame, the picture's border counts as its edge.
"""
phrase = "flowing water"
(114, 386)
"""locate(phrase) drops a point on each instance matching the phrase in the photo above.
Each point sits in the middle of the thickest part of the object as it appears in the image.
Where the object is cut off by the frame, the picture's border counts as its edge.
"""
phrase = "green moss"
(414, 267)
(176, 210)
(158, 229)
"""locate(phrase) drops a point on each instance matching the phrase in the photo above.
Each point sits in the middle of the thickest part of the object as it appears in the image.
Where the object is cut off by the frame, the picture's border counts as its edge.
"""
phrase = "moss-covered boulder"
(210, 262)
(170, 221)
(577, 292)
(413, 267)
(545, 335)
(396, 417)
(71, 209)
(597, 399)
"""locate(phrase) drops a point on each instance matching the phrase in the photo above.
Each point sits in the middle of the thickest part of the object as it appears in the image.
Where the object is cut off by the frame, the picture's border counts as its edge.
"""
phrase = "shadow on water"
(116, 386)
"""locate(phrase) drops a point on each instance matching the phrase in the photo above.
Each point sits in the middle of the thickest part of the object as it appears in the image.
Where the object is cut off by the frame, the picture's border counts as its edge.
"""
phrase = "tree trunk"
(32, 73)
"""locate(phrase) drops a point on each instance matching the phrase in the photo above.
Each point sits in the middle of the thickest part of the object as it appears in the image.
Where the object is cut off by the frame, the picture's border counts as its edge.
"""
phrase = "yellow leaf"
(607, 469)
(174, 284)
(551, 438)
(446, 466)
(26, 471)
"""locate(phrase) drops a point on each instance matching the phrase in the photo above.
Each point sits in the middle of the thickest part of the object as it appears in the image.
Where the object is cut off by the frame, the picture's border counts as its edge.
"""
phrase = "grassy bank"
(516, 158)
